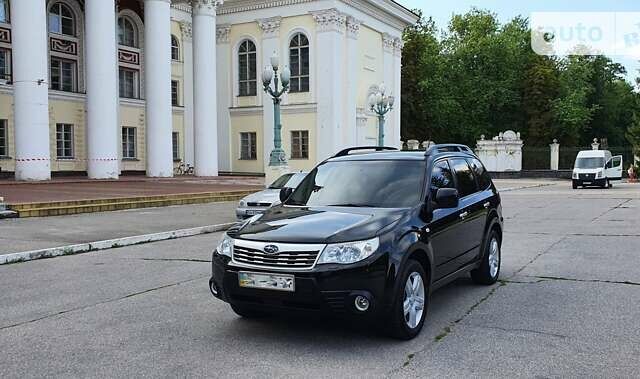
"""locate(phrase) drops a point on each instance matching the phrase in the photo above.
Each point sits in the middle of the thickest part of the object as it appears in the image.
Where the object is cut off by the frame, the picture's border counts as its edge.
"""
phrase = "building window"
(175, 140)
(175, 92)
(247, 61)
(128, 83)
(300, 144)
(61, 20)
(299, 63)
(63, 73)
(64, 141)
(5, 64)
(128, 142)
(175, 48)
(4, 138)
(127, 32)
(4, 11)
(248, 146)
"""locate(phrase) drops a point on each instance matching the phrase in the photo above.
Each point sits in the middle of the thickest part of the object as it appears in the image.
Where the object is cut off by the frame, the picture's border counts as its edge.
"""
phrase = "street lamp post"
(277, 157)
(380, 103)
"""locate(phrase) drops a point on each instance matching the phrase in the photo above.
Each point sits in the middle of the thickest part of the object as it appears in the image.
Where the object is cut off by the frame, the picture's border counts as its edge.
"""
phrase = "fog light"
(362, 303)
(213, 287)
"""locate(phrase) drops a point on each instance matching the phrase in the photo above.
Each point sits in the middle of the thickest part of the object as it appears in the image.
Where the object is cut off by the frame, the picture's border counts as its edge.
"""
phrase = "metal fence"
(536, 158)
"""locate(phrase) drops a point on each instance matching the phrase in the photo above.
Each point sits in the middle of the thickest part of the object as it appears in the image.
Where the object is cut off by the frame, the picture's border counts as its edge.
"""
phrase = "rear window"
(465, 181)
(482, 176)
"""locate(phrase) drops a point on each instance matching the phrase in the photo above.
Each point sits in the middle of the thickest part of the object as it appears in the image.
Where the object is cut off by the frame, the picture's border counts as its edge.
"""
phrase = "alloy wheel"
(494, 257)
(414, 299)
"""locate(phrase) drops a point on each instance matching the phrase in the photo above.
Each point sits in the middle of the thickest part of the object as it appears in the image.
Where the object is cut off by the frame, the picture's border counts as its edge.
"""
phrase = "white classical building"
(109, 87)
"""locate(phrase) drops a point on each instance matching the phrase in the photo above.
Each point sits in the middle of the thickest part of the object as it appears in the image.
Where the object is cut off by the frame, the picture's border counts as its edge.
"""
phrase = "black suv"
(370, 235)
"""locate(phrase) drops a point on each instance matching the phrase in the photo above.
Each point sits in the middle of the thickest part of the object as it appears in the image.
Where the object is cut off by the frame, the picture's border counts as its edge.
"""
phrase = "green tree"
(541, 88)
(633, 134)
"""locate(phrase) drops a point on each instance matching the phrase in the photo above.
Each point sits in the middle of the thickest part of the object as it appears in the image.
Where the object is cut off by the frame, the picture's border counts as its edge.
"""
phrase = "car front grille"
(587, 176)
(298, 258)
(255, 204)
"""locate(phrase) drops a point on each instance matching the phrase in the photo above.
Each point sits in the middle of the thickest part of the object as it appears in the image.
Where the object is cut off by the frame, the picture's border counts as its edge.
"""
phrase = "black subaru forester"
(369, 235)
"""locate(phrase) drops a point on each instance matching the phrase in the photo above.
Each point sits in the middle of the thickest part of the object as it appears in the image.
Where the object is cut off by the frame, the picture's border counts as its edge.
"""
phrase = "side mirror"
(447, 198)
(285, 193)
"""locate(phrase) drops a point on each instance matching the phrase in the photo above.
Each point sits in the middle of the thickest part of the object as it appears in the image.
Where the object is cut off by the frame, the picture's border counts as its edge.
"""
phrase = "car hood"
(316, 224)
(266, 196)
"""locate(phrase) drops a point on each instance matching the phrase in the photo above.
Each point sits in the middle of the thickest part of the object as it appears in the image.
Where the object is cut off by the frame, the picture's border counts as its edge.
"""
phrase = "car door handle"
(464, 215)
(486, 205)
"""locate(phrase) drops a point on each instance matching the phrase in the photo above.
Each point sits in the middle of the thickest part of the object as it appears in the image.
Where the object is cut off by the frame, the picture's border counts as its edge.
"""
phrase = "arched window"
(4, 11)
(175, 48)
(61, 20)
(247, 61)
(299, 63)
(127, 33)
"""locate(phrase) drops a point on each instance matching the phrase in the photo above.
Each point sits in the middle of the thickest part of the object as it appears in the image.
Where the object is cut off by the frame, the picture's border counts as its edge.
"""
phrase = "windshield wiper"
(352, 205)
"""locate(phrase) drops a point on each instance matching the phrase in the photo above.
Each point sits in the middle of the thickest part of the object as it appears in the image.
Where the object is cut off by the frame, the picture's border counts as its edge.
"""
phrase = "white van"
(596, 168)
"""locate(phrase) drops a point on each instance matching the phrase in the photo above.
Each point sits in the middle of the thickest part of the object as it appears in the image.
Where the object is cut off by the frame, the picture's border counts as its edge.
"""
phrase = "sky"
(441, 12)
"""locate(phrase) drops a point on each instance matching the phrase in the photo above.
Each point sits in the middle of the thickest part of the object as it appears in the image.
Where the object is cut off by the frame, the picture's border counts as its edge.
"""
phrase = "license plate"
(267, 281)
(253, 212)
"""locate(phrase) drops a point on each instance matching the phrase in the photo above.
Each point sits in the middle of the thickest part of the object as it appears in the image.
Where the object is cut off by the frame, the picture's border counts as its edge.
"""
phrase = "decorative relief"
(128, 57)
(186, 29)
(5, 35)
(330, 20)
(353, 27)
(270, 26)
(398, 45)
(388, 42)
(222, 33)
(206, 6)
(63, 46)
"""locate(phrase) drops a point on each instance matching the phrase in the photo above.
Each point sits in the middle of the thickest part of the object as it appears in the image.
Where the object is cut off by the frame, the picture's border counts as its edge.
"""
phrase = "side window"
(441, 177)
(484, 180)
(464, 177)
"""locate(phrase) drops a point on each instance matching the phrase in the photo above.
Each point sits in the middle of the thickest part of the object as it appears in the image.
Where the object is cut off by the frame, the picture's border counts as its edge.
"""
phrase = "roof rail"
(346, 152)
(449, 148)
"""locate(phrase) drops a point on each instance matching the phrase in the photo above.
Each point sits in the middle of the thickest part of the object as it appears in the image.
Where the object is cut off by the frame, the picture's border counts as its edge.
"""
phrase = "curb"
(526, 187)
(81, 248)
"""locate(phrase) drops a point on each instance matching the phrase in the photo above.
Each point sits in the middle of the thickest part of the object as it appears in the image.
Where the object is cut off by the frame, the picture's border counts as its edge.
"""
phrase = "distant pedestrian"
(632, 174)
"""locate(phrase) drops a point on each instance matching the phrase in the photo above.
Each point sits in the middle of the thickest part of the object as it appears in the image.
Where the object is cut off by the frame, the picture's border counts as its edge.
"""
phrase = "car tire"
(489, 269)
(574, 184)
(245, 312)
(406, 319)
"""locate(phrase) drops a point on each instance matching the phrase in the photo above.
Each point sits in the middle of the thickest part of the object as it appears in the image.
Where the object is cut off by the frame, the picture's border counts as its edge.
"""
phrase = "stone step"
(115, 204)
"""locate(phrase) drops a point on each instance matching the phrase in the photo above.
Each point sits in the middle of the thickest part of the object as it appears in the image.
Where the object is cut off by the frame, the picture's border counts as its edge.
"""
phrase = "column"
(187, 51)
(352, 96)
(102, 91)
(396, 114)
(388, 63)
(270, 44)
(555, 155)
(204, 87)
(30, 89)
(330, 26)
(157, 31)
(224, 96)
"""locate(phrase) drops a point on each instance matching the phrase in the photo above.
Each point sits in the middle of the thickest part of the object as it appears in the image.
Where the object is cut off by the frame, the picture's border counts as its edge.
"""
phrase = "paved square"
(567, 306)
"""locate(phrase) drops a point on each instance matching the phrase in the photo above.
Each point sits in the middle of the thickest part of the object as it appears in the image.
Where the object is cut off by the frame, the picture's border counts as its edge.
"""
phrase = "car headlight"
(575, 175)
(599, 174)
(225, 246)
(349, 252)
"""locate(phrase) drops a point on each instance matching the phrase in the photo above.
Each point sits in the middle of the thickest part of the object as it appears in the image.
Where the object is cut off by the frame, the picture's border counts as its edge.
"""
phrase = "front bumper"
(326, 289)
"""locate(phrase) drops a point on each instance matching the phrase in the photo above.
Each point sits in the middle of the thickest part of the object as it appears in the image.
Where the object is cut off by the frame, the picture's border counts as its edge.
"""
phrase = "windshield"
(378, 184)
(595, 162)
(295, 180)
(281, 181)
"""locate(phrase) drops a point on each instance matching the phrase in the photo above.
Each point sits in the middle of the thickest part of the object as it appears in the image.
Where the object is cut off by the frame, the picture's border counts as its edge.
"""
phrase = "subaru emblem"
(271, 249)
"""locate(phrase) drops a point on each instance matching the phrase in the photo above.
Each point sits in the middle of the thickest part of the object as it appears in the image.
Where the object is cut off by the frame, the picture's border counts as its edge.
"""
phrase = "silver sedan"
(259, 202)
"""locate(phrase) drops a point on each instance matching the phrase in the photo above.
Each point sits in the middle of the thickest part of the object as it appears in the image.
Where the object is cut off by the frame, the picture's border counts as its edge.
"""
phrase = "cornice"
(187, 30)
